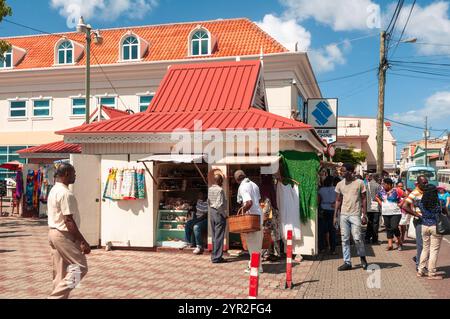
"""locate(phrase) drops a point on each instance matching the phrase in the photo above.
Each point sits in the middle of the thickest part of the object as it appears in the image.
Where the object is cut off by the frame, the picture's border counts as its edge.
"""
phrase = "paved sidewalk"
(26, 273)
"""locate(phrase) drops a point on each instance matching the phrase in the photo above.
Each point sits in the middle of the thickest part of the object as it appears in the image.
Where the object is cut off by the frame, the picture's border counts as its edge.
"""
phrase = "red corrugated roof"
(55, 147)
(220, 86)
(113, 113)
(167, 122)
(207, 92)
(235, 37)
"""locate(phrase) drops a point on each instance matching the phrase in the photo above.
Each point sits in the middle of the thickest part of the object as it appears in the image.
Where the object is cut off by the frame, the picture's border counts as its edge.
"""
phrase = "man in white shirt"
(249, 196)
(68, 246)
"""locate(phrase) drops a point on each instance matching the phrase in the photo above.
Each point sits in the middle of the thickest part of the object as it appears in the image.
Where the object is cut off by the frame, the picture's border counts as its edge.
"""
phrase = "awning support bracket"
(201, 174)
(148, 171)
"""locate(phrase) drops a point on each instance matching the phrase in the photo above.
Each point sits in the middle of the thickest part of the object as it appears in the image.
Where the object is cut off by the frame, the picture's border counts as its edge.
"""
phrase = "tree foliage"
(349, 156)
(5, 11)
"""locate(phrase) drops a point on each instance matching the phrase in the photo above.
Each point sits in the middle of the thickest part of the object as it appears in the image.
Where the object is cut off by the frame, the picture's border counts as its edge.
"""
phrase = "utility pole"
(88, 74)
(426, 141)
(380, 118)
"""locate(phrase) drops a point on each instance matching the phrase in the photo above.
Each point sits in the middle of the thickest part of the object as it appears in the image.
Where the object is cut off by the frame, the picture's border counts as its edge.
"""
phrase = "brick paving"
(26, 273)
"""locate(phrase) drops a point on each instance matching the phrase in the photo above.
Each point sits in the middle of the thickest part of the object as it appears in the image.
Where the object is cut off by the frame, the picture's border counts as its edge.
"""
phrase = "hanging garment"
(29, 189)
(303, 168)
(19, 185)
(128, 185)
(288, 210)
(44, 189)
(268, 190)
(140, 184)
(109, 186)
(117, 187)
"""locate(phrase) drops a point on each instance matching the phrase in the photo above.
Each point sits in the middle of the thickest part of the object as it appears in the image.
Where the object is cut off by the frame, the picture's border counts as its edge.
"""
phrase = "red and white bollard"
(254, 276)
(289, 260)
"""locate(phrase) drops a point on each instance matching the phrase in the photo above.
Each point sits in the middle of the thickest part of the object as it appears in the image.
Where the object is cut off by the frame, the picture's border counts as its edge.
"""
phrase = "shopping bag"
(411, 229)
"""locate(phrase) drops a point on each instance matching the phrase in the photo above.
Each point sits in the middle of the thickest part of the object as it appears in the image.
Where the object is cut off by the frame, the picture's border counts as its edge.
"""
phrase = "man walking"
(411, 206)
(217, 214)
(351, 196)
(373, 210)
(249, 196)
(68, 246)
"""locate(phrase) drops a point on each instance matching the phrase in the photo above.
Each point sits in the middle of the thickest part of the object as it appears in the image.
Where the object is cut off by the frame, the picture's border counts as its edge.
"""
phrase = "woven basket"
(244, 223)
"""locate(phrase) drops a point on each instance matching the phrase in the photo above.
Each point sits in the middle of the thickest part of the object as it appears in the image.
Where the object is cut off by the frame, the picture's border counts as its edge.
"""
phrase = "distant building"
(360, 134)
(414, 153)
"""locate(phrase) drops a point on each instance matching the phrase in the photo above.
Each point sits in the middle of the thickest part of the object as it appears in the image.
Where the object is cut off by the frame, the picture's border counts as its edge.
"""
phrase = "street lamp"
(82, 27)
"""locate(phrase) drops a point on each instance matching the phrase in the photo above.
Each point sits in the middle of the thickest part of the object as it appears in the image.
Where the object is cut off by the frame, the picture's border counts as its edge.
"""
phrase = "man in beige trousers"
(68, 246)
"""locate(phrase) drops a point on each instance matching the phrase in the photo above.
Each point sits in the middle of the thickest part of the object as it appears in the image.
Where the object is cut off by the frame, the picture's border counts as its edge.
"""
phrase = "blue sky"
(340, 35)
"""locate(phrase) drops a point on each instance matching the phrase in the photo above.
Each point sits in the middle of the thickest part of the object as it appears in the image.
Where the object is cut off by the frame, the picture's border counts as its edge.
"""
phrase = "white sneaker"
(197, 251)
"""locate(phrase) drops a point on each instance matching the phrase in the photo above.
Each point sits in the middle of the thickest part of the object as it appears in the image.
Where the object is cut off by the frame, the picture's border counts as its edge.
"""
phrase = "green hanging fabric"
(303, 168)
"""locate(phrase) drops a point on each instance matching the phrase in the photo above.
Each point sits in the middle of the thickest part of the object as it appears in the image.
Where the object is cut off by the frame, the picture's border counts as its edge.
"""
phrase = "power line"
(421, 63)
(413, 126)
(417, 77)
(60, 36)
(404, 28)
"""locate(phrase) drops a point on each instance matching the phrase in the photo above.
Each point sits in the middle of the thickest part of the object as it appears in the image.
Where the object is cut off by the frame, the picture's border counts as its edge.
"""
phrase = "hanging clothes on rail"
(288, 207)
(128, 190)
(109, 186)
(117, 186)
(140, 184)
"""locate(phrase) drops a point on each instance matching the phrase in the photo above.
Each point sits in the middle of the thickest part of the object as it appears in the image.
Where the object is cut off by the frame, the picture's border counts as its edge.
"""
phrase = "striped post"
(289, 260)
(254, 276)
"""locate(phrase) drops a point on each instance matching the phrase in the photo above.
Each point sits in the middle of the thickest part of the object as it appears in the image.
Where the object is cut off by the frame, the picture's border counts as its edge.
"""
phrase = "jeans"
(198, 227)
(431, 245)
(373, 225)
(419, 241)
(351, 225)
(326, 227)
(391, 222)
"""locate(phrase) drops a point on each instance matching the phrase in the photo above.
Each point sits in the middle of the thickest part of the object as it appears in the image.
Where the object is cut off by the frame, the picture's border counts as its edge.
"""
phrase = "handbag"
(442, 225)
(411, 229)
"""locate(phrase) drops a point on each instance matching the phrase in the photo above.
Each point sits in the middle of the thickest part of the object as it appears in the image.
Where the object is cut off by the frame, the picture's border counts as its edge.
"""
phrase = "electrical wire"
(413, 126)
(404, 28)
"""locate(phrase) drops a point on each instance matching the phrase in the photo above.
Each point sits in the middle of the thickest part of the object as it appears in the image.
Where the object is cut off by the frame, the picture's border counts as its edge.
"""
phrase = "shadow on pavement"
(6, 251)
(385, 265)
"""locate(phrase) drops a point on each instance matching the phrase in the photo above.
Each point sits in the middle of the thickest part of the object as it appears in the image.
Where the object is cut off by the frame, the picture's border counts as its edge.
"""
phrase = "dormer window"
(130, 48)
(65, 53)
(200, 43)
(6, 60)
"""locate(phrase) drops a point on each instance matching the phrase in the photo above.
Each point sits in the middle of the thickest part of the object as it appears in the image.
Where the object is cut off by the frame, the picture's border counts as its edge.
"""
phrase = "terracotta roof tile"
(235, 37)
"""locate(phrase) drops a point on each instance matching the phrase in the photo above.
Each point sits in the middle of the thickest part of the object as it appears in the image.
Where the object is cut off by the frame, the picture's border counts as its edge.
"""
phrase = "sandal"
(420, 274)
(389, 248)
(435, 277)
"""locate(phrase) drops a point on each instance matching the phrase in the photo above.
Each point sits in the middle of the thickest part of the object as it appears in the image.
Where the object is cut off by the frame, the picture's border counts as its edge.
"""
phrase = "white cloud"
(103, 9)
(340, 15)
(286, 31)
(437, 107)
(326, 59)
(429, 24)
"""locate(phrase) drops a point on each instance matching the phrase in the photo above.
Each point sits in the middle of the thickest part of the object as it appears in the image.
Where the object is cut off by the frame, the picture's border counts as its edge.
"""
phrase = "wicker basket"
(244, 223)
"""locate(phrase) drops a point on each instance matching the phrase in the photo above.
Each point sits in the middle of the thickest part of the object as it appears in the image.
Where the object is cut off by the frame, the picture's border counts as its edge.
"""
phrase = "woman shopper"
(404, 221)
(389, 200)
(430, 208)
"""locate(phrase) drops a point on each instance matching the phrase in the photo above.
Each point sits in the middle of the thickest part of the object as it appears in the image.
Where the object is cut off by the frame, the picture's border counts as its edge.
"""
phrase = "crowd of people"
(350, 201)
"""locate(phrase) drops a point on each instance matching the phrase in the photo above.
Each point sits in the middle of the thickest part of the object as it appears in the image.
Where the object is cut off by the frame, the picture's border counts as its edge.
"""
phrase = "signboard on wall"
(322, 114)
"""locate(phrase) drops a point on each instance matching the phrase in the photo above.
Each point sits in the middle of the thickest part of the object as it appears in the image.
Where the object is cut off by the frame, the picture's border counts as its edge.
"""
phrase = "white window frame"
(72, 98)
(139, 96)
(191, 40)
(50, 108)
(122, 48)
(99, 97)
(18, 117)
(57, 49)
(3, 62)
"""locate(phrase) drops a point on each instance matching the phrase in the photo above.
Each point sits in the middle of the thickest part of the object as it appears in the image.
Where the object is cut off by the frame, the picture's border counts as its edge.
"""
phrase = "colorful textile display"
(303, 168)
(19, 185)
(30, 189)
(125, 184)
